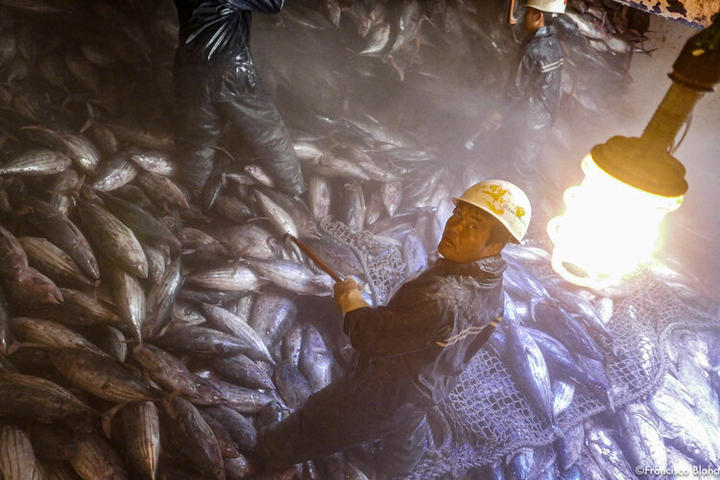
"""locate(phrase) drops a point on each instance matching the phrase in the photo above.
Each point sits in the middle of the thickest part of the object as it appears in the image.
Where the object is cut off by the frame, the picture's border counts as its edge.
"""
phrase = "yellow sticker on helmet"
(497, 193)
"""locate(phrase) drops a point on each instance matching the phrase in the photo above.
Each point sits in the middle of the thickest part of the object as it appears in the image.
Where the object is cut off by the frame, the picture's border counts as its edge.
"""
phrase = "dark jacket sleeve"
(521, 77)
(262, 6)
(398, 328)
(221, 25)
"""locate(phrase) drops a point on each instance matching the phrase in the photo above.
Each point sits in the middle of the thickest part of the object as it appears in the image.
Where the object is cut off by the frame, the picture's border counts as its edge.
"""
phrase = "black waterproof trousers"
(526, 166)
(360, 408)
(207, 97)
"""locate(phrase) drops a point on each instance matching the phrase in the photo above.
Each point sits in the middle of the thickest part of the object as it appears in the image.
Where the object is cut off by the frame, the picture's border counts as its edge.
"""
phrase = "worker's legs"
(527, 162)
(405, 445)
(343, 414)
(198, 129)
(530, 172)
(264, 132)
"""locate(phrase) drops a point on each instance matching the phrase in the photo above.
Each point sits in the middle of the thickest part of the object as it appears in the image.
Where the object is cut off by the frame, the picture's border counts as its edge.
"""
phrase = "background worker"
(530, 104)
(534, 92)
(215, 82)
(412, 350)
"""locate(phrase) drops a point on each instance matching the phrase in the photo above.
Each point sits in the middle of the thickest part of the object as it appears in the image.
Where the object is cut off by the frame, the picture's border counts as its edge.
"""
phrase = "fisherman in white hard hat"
(536, 78)
(412, 350)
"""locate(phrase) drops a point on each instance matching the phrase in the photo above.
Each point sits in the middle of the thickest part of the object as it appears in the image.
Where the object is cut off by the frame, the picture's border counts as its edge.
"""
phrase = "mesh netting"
(490, 418)
(383, 265)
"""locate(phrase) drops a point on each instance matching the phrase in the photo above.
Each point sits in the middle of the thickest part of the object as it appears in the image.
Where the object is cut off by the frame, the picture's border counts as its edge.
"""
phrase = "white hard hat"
(550, 6)
(504, 201)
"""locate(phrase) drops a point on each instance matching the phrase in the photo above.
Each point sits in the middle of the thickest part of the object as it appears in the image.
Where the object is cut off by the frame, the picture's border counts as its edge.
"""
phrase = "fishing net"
(489, 418)
(382, 264)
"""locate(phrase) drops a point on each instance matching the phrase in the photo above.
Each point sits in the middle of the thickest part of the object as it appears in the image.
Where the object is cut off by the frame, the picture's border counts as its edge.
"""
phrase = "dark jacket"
(427, 333)
(219, 28)
(214, 41)
(534, 85)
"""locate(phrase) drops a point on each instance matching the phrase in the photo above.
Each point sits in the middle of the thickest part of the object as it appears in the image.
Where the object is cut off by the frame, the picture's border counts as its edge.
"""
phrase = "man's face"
(533, 19)
(466, 235)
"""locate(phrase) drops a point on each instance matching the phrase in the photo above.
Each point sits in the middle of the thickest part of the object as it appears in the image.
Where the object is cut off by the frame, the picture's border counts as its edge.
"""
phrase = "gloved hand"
(348, 297)
(492, 123)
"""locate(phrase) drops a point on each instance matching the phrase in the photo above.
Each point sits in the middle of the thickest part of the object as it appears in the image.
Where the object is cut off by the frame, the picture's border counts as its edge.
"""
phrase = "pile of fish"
(599, 36)
(141, 337)
(411, 38)
(385, 66)
(555, 342)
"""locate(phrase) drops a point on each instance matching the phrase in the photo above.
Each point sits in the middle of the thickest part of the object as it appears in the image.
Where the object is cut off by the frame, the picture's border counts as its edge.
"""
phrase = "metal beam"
(696, 13)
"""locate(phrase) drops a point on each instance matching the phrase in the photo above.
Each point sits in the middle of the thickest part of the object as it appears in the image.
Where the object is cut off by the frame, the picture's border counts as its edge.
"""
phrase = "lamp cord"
(687, 127)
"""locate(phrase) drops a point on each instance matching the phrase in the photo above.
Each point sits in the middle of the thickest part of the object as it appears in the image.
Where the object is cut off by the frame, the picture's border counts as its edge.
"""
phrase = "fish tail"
(106, 419)
(533, 303)
(90, 117)
(610, 398)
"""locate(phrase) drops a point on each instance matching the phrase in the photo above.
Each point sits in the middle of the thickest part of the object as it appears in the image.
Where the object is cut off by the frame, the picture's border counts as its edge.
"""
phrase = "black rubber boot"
(194, 178)
(269, 437)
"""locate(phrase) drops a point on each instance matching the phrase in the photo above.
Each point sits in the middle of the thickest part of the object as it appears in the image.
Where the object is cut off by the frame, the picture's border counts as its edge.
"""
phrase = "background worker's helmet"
(504, 201)
(550, 6)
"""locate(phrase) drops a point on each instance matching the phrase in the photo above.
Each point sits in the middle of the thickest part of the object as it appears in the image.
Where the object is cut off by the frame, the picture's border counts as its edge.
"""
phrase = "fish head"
(36, 285)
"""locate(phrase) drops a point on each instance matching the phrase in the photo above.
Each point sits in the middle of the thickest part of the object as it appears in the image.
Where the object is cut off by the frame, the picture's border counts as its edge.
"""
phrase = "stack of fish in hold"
(140, 337)
(429, 73)
(601, 385)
